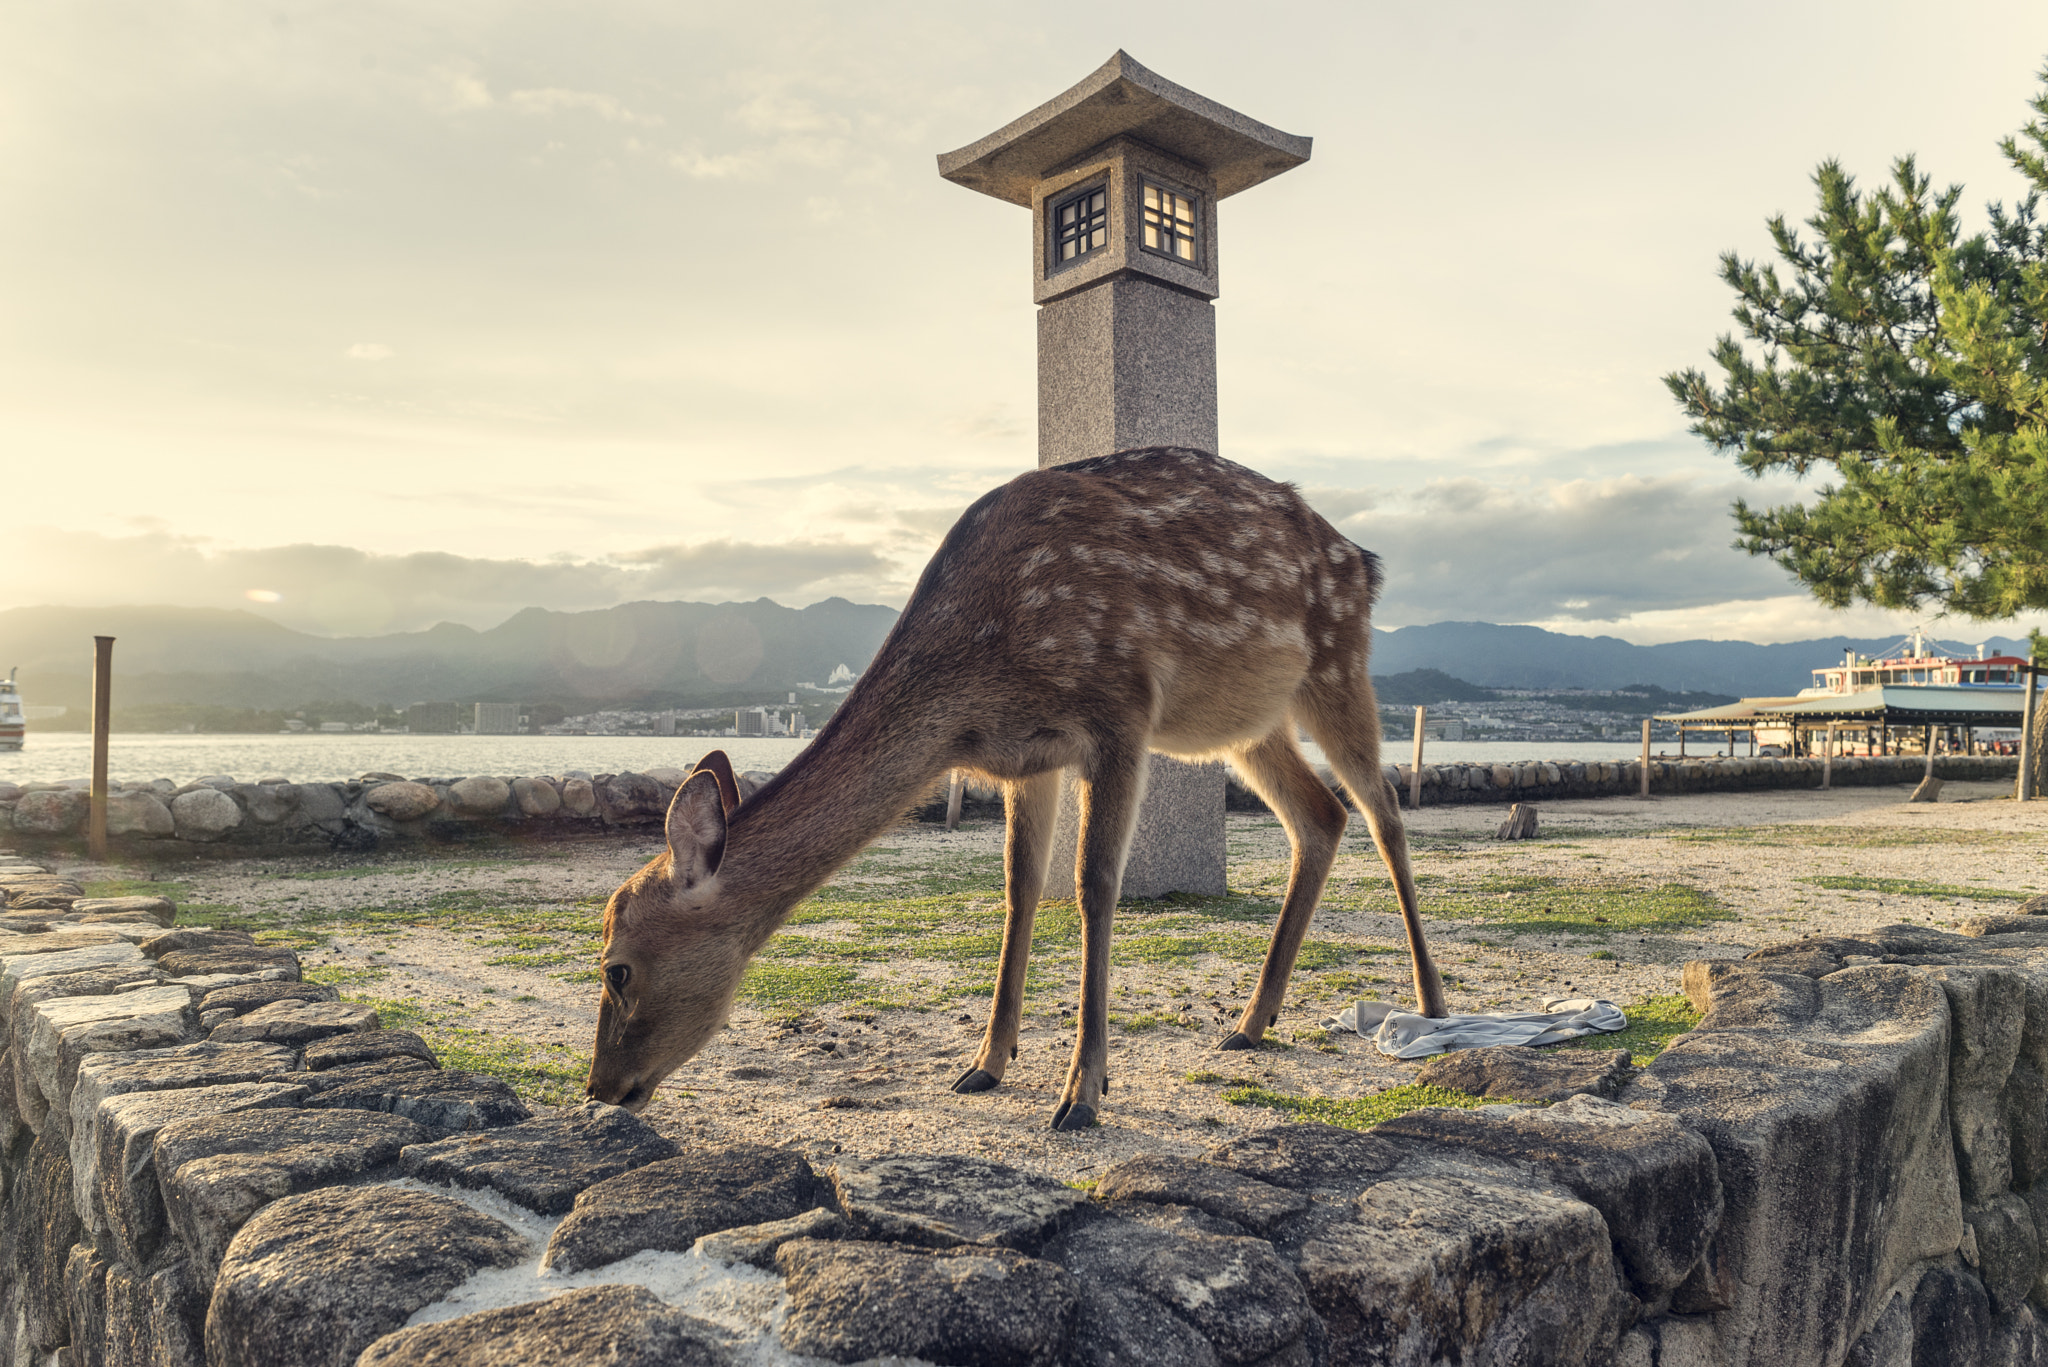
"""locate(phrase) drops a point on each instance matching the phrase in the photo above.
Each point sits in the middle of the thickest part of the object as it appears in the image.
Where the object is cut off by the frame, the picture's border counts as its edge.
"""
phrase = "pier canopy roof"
(1920, 705)
(1740, 715)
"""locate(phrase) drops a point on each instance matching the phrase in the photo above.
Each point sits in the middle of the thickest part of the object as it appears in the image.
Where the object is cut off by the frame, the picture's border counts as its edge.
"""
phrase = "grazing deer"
(1076, 618)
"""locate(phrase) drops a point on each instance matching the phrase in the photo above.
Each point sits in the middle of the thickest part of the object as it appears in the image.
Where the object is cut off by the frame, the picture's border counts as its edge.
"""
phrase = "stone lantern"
(1122, 174)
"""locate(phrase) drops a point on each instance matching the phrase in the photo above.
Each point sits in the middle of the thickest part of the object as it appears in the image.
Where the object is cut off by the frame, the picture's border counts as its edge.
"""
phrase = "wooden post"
(1928, 772)
(2025, 791)
(1646, 757)
(953, 790)
(1415, 769)
(102, 713)
(1827, 759)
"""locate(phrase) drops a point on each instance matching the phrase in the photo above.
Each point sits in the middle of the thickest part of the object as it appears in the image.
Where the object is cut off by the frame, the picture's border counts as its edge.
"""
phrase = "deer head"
(674, 950)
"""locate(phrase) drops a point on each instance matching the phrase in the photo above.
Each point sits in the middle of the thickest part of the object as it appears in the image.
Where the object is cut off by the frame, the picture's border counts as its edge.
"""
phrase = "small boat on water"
(13, 725)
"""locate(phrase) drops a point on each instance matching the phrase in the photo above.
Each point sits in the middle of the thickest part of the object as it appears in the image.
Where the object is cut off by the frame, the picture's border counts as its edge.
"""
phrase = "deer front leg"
(1031, 806)
(1314, 820)
(1109, 811)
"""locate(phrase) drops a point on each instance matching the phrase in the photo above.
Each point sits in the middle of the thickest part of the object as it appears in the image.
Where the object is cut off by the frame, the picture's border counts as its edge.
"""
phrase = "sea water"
(306, 758)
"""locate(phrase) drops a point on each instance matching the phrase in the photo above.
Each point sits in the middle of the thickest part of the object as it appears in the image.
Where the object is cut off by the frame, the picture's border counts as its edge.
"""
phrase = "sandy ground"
(422, 929)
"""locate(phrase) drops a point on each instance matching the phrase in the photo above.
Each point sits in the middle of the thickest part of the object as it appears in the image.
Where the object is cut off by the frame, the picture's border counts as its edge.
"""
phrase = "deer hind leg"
(1346, 722)
(1032, 807)
(1109, 812)
(1314, 821)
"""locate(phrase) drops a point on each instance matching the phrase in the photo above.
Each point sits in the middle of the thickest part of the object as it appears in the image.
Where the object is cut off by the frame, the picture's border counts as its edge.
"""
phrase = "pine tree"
(1904, 365)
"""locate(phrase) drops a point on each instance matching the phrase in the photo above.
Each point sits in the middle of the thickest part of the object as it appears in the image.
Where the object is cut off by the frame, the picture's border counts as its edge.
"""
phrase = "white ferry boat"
(13, 727)
(1918, 667)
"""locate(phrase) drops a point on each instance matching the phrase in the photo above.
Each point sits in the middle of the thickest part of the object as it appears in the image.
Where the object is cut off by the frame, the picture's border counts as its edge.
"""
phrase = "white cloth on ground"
(1405, 1034)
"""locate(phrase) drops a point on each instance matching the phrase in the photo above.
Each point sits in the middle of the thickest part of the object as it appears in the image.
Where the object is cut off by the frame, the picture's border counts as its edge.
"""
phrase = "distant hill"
(651, 654)
(679, 654)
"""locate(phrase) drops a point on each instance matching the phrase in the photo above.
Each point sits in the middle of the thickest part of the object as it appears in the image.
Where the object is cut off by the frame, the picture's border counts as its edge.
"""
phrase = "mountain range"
(669, 654)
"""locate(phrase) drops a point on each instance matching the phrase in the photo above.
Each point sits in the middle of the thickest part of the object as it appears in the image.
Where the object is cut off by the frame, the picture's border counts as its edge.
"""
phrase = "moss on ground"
(1544, 904)
(1914, 887)
(137, 887)
(1356, 1113)
(1653, 1023)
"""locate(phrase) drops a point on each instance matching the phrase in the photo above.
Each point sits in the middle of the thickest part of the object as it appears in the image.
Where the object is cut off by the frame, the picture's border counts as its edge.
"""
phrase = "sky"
(364, 316)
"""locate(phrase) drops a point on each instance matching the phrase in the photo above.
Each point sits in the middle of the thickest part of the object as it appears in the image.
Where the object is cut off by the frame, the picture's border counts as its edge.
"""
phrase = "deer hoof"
(976, 1080)
(1235, 1041)
(1072, 1116)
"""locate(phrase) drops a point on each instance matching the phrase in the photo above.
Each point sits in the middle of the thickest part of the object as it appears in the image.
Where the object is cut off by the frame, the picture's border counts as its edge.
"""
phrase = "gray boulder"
(204, 814)
(480, 796)
(671, 1204)
(243, 998)
(940, 1200)
(1823, 1103)
(52, 812)
(756, 1245)
(315, 1279)
(599, 1326)
(1310, 1157)
(980, 1305)
(193, 963)
(194, 937)
(536, 797)
(1652, 1179)
(579, 798)
(217, 1171)
(1987, 1015)
(543, 1164)
(1523, 1074)
(139, 813)
(401, 801)
(632, 797)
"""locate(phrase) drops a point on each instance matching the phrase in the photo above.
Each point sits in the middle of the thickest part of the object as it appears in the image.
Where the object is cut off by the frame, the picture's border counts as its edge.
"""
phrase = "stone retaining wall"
(369, 811)
(207, 1160)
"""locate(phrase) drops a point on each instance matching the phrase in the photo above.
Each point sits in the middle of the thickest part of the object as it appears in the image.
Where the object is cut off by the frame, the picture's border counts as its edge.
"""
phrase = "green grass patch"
(773, 985)
(1842, 837)
(137, 887)
(1652, 1023)
(1541, 904)
(1913, 887)
(545, 1073)
(1357, 1113)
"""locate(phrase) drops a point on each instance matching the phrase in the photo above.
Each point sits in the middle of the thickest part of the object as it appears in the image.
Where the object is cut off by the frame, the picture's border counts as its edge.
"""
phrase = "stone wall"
(206, 1160)
(366, 812)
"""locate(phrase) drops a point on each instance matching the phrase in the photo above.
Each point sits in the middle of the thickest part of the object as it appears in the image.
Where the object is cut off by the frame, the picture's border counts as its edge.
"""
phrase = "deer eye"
(617, 975)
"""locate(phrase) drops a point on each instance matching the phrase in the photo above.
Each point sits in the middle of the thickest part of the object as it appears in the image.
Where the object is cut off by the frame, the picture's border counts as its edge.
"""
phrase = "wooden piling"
(102, 715)
(1646, 757)
(1827, 758)
(2025, 791)
(954, 786)
(1415, 769)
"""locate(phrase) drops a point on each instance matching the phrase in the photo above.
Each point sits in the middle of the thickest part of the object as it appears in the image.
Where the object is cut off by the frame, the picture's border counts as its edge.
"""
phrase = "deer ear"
(696, 830)
(720, 768)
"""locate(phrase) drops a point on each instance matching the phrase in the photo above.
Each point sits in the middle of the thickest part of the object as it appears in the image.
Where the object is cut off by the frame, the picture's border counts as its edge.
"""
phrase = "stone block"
(1158, 1293)
(2008, 1250)
(229, 959)
(365, 1046)
(543, 1164)
(296, 1022)
(671, 1204)
(1311, 1157)
(85, 1296)
(216, 1171)
(1987, 1015)
(241, 998)
(92, 982)
(126, 1202)
(632, 797)
(1815, 1129)
(756, 1245)
(268, 804)
(321, 804)
(41, 1226)
(55, 1036)
(139, 814)
(195, 937)
(850, 1301)
(1523, 1074)
(1162, 1179)
(940, 1200)
(1467, 1262)
(443, 1101)
(1178, 845)
(1652, 1179)
(317, 1278)
(161, 910)
(153, 1070)
(598, 1326)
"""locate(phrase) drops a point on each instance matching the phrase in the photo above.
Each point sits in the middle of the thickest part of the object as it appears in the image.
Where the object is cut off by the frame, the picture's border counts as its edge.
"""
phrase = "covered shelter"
(1871, 718)
(1748, 716)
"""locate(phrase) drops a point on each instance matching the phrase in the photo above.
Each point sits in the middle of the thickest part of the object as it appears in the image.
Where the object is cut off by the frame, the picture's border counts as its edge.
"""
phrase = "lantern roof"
(1123, 99)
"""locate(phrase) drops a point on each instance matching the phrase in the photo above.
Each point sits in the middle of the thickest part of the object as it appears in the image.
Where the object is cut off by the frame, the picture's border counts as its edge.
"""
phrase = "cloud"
(369, 351)
(552, 99)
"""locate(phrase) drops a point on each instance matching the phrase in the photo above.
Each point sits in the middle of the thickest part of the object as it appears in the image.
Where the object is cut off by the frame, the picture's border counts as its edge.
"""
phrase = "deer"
(1076, 618)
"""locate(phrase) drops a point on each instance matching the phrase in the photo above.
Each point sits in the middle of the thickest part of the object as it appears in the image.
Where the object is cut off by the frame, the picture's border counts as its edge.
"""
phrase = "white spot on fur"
(1038, 560)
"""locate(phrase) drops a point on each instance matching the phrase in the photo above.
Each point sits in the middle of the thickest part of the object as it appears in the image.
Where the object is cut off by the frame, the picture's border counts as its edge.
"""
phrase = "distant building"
(840, 675)
(500, 719)
(335, 727)
(665, 723)
(750, 721)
